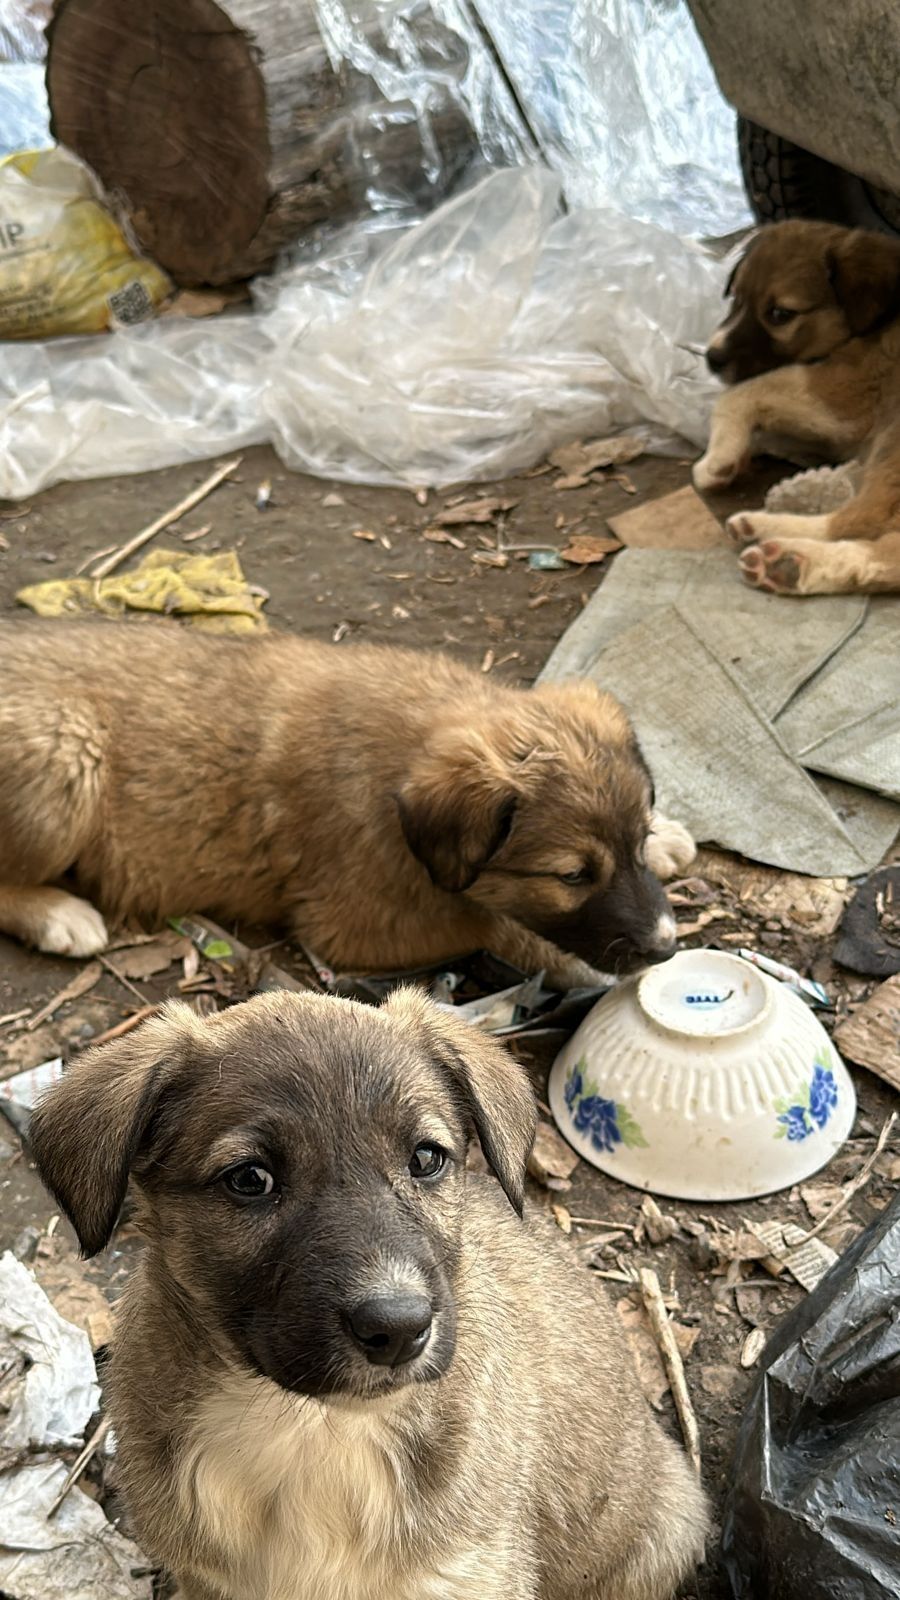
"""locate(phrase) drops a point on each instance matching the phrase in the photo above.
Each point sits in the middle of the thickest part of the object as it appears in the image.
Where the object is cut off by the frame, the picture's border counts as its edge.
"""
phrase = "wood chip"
(490, 558)
(485, 509)
(587, 549)
(441, 536)
(487, 660)
(365, 533)
(562, 1218)
(871, 1036)
(658, 1227)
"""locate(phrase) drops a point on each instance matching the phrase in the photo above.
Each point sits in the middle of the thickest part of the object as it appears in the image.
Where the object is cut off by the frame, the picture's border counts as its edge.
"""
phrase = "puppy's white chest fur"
(293, 1500)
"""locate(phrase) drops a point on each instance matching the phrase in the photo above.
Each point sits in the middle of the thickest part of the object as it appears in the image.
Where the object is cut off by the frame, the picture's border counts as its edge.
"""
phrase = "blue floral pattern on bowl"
(812, 1105)
(607, 1122)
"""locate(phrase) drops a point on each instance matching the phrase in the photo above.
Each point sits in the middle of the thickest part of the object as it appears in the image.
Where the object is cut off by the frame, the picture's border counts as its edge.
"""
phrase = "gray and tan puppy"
(390, 809)
(345, 1368)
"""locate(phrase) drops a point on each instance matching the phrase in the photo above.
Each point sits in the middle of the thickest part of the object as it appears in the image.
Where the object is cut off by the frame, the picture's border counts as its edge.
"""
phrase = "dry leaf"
(819, 1198)
(581, 458)
(487, 660)
(685, 1337)
(333, 499)
(73, 1294)
(145, 960)
(484, 509)
(550, 1156)
(585, 549)
(644, 1349)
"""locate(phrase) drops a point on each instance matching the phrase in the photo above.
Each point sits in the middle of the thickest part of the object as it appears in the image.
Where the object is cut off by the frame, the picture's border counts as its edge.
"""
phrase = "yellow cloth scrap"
(210, 591)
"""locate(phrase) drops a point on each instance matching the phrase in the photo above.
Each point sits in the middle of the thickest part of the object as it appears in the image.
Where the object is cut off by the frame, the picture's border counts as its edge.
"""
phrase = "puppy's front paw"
(742, 529)
(773, 567)
(71, 927)
(716, 471)
(669, 849)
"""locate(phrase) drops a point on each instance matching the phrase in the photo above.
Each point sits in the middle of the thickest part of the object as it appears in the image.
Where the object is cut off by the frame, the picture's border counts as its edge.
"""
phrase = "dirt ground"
(329, 584)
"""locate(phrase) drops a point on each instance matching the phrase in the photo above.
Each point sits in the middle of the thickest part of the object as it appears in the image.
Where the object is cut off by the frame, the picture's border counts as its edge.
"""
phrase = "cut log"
(224, 133)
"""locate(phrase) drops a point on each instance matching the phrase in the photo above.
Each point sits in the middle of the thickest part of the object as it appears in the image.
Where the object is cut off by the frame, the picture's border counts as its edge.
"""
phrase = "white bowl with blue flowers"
(703, 1079)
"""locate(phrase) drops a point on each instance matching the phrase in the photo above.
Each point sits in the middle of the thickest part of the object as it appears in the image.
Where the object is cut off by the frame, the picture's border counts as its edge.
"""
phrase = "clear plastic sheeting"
(552, 296)
(462, 348)
(624, 104)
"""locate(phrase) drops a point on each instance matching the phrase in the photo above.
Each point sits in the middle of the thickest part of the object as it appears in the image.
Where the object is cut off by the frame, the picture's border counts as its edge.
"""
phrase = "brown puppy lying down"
(391, 809)
(812, 345)
(345, 1369)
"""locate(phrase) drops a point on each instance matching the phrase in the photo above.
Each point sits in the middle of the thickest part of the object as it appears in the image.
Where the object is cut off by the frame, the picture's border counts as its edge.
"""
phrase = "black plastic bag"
(813, 1508)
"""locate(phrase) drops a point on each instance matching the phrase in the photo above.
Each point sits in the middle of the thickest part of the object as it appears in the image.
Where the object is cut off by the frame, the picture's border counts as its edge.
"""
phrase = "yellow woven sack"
(65, 265)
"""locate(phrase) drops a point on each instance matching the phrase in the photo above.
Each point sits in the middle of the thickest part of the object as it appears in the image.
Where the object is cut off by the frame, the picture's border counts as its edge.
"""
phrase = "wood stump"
(223, 133)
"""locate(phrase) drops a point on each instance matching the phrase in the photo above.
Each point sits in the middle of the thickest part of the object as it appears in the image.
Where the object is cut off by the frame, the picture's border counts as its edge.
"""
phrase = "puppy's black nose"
(716, 360)
(391, 1329)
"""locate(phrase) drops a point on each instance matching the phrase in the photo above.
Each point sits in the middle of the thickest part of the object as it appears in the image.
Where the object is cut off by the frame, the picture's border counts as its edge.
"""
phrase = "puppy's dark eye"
(779, 315)
(249, 1181)
(575, 879)
(427, 1160)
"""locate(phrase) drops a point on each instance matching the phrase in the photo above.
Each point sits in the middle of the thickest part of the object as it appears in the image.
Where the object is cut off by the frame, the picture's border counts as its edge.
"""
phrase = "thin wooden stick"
(78, 1466)
(121, 978)
(79, 985)
(104, 568)
(665, 1338)
(853, 1186)
(134, 1021)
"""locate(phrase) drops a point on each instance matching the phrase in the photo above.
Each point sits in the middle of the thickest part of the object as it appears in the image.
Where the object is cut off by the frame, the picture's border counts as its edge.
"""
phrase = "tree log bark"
(223, 133)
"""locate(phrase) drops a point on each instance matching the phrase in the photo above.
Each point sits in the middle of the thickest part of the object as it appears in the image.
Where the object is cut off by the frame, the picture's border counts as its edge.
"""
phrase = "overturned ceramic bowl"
(703, 1079)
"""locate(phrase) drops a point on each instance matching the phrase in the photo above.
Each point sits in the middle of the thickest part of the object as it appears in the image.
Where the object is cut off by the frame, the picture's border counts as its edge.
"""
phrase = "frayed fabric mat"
(711, 673)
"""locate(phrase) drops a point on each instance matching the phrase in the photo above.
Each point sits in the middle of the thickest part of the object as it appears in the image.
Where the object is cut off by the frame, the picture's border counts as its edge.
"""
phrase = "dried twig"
(104, 568)
(665, 1338)
(73, 990)
(121, 978)
(79, 1464)
(854, 1185)
(134, 1021)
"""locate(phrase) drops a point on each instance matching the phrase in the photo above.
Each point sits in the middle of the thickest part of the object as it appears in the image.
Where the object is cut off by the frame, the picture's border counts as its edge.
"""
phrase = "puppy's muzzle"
(717, 358)
(662, 943)
(392, 1329)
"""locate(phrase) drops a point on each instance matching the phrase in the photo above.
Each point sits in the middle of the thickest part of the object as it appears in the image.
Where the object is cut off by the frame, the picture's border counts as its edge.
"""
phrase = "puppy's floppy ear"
(492, 1089)
(87, 1131)
(729, 287)
(456, 808)
(864, 269)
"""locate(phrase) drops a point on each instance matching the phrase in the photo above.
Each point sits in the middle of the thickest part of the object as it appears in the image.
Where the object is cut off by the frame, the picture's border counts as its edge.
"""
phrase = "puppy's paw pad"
(72, 928)
(772, 567)
(742, 529)
(670, 848)
(711, 472)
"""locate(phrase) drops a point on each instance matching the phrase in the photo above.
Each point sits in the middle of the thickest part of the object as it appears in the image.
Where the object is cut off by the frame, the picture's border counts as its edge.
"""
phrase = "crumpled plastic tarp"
(813, 1509)
(466, 344)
